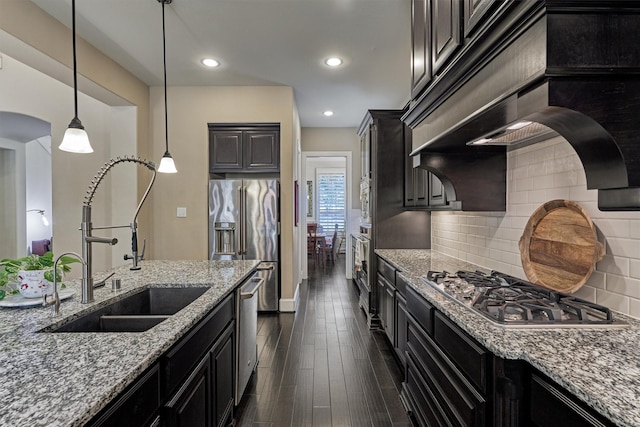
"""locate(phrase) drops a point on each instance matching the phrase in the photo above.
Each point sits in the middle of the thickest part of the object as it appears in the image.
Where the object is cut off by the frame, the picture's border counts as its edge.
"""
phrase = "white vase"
(32, 283)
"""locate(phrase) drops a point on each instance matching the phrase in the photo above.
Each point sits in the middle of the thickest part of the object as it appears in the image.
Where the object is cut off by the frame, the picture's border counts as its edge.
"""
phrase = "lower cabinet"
(446, 380)
(190, 405)
(192, 385)
(137, 406)
(206, 397)
(452, 380)
(550, 405)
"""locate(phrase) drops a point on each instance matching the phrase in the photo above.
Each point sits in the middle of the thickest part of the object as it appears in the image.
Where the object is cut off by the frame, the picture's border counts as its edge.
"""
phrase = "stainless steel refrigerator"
(244, 223)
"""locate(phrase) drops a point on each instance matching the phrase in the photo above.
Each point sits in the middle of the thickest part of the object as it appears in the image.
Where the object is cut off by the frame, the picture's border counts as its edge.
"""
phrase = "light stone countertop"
(64, 379)
(599, 366)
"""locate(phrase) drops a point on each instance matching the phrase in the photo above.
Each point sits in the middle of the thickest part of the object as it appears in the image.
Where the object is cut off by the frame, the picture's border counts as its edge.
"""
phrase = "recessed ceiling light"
(328, 113)
(210, 62)
(334, 61)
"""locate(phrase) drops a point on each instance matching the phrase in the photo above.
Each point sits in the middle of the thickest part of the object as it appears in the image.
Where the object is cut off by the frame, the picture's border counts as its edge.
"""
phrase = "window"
(331, 199)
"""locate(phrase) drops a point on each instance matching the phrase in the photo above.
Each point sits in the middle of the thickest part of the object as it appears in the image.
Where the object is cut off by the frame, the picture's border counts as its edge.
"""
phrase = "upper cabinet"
(446, 26)
(244, 148)
(474, 10)
(420, 45)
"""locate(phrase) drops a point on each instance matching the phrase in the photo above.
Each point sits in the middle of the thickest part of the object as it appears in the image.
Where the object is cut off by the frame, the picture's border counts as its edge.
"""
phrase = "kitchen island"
(65, 379)
(598, 366)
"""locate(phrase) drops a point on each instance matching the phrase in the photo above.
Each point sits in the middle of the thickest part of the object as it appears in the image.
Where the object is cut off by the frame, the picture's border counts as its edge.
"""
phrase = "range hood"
(559, 67)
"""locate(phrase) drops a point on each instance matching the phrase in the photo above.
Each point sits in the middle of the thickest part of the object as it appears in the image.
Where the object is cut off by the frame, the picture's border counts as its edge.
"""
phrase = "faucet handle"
(55, 303)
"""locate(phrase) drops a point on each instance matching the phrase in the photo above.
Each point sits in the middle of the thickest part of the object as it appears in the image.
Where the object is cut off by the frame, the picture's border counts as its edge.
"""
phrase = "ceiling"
(261, 42)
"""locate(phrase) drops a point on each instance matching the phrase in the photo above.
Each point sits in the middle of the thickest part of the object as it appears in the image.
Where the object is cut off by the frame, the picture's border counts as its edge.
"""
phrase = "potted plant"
(32, 275)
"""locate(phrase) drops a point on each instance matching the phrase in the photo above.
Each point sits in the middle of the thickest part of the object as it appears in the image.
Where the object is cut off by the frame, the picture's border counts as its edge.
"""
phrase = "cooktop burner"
(513, 302)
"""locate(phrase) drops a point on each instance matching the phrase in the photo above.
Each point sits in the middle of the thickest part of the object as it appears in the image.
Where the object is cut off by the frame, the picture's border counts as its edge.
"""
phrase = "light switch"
(181, 213)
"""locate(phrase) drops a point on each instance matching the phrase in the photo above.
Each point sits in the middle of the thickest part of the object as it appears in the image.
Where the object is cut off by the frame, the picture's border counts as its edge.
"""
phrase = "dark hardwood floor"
(321, 366)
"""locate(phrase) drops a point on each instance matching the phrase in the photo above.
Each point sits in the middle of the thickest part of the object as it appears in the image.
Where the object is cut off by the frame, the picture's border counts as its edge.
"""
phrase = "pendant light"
(75, 138)
(166, 164)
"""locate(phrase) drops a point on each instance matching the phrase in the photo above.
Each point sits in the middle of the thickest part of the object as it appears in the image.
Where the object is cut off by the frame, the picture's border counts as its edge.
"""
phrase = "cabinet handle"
(262, 268)
(248, 294)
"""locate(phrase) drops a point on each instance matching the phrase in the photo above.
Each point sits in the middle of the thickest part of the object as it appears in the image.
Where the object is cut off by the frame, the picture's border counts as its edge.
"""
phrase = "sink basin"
(135, 313)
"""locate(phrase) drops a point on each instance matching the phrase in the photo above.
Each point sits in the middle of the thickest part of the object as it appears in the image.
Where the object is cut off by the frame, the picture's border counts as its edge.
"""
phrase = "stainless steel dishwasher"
(246, 331)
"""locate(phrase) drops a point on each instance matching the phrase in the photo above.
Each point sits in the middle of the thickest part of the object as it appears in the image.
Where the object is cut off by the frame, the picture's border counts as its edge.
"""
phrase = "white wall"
(535, 175)
(27, 91)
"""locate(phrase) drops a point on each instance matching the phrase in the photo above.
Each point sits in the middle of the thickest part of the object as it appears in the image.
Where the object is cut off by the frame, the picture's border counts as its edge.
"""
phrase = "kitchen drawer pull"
(248, 294)
(262, 268)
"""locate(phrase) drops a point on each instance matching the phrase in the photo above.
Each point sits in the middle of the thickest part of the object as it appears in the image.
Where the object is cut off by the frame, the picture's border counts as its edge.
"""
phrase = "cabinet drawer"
(387, 270)
(137, 405)
(424, 406)
(463, 404)
(468, 355)
(181, 359)
(421, 310)
(401, 285)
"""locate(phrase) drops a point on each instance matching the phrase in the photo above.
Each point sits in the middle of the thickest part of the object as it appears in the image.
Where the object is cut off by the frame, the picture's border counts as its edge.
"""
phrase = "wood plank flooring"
(321, 366)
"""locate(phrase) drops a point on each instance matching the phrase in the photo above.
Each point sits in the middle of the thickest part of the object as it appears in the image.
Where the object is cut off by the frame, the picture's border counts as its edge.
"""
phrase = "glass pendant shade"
(75, 138)
(167, 165)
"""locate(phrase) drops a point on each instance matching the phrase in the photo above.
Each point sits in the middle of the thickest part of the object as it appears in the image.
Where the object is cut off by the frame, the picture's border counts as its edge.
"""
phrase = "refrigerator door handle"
(244, 220)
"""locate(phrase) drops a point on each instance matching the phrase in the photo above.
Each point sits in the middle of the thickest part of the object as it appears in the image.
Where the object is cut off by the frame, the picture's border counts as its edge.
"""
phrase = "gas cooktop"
(512, 302)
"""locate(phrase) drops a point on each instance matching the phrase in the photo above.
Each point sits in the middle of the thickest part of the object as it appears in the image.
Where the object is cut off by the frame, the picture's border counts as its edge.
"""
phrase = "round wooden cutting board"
(559, 247)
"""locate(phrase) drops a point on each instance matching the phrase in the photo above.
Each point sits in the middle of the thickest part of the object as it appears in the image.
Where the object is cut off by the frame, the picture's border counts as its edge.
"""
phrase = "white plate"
(18, 300)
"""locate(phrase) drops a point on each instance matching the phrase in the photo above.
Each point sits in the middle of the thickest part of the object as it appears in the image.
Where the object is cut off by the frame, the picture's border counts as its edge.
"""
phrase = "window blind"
(331, 201)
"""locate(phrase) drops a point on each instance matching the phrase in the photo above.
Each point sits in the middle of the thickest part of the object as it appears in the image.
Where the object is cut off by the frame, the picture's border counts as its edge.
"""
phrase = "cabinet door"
(401, 328)
(551, 406)
(389, 308)
(474, 11)
(446, 29)
(437, 195)
(420, 45)
(222, 378)
(262, 150)
(190, 406)
(382, 312)
(225, 151)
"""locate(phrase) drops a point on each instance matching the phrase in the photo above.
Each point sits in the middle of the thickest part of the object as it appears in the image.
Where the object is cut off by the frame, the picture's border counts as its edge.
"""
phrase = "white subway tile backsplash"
(623, 285)
(536, 174)
(613, 301)
(634, 268)
(586, 292)
(634, 307)
(613, 265)
(629, 248)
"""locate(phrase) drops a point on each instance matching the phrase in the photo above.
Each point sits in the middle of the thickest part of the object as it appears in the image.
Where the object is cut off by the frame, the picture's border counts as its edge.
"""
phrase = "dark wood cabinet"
(137, 406)
(222, 377)
(205, 357)
(420, 45)
(446, 31)
(446, 380)
(474, 11)
(190, 406)
(551, 406)
(244, 148)
(391, 225)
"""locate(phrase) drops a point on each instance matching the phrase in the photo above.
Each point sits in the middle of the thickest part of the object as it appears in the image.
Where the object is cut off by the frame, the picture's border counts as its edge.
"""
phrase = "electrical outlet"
(181, 212)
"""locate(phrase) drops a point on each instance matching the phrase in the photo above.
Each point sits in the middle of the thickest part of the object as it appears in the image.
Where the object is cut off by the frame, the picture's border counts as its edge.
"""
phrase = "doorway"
(326, 197)
(25, 183)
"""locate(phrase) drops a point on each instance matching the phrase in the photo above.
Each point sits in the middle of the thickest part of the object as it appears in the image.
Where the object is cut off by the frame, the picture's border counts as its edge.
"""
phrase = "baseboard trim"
(290, 305)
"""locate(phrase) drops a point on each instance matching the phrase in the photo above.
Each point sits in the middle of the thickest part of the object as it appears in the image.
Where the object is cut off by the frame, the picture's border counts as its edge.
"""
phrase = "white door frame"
(302, 207)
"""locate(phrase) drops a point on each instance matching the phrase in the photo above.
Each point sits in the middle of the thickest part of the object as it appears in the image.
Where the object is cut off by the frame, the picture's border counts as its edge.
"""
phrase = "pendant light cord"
(164, 59)
(75, 66)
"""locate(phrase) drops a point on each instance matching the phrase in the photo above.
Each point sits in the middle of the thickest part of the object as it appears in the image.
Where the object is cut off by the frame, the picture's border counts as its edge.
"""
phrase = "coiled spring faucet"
(87, 227)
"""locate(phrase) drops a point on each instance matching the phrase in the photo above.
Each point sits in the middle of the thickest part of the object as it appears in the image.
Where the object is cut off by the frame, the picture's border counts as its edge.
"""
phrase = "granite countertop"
(64, 379)
(599, 366)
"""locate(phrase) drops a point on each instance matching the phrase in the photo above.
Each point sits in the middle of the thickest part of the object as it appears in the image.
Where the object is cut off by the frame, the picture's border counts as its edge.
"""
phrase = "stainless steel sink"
(135, 313)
